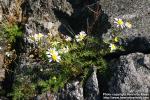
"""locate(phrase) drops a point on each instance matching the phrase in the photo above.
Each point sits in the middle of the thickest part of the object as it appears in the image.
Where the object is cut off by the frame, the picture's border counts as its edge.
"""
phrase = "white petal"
(50, 60)
(47, 52)
(117, 25)
(116, 19)
(49, 56)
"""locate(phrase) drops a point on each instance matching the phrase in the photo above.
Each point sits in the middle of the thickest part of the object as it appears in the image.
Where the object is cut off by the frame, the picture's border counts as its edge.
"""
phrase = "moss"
(11, 32)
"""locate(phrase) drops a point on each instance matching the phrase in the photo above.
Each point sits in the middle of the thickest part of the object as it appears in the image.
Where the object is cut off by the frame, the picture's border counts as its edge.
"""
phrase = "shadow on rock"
(139, 44)
(88, 17)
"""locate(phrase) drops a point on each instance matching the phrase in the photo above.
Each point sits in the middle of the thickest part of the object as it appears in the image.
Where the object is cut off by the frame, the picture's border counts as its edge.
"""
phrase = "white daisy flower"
(79, 37)
(119, 22)
(67, 38)
(113, 47)
(53, 55)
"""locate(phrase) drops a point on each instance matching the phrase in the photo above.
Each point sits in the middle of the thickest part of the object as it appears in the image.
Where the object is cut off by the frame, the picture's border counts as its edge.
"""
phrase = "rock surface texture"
(92, 88)
(131, 71)
(131, 74)
(75, 91)
(2, 71)
(138, 13)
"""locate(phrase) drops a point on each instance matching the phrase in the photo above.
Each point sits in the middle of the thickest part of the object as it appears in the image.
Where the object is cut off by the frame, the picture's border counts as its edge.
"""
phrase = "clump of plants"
(63, 58)
(115, 37)
(9, 32)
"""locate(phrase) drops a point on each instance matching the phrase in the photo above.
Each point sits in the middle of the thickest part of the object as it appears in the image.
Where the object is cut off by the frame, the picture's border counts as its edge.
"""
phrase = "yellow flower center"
(40, 35)
(54, 57)
(112, 47)
(116, 39)
(120, 22)
(81, 36)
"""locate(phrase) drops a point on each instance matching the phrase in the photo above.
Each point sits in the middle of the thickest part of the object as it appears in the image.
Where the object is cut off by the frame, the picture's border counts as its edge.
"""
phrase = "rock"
(73, 91)
(130, 74)
(40, 14)
(46, 96)
(138, 13)
(2, 73)
(4, 5)
(2, 70)
(91, 87)
(1, 13)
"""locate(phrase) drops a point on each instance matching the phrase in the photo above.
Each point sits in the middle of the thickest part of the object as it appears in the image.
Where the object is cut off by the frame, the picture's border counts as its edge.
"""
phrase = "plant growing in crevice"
(11, 32)
(60, 59)
(63, 59)
(115, 36)
(8, 34)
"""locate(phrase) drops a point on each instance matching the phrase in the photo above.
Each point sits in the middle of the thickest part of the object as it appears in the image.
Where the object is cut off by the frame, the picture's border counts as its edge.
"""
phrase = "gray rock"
(2, 73)
(46, 96)
(74, 91)
(138, 13)
(1, 13)
(131, 74)
(2, 66)
(2, 59)
(41, 14)
(91, 87)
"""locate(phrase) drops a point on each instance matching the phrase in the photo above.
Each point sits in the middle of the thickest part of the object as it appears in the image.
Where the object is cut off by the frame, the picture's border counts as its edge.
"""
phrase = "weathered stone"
(2, 74)
(2, 70)
(41, 14)
(1, 13)
(138, 13)
(91, 87)
(131, 74)
(46, 96)
(74, 91)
